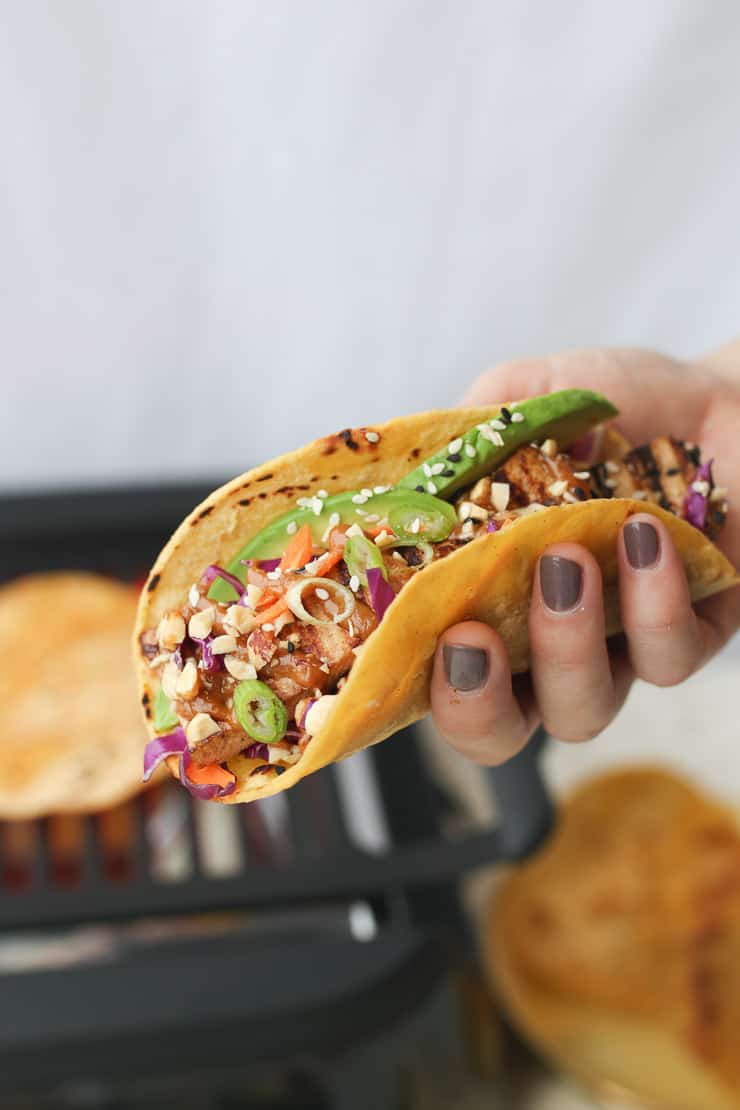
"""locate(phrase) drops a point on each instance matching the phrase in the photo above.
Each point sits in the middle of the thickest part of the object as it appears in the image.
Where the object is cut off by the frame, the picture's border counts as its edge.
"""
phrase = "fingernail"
(466, 667)
(642, 544)
(560, 582)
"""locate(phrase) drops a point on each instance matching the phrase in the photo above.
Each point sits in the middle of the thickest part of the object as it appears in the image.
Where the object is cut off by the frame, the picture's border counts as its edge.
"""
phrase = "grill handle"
(524, 805)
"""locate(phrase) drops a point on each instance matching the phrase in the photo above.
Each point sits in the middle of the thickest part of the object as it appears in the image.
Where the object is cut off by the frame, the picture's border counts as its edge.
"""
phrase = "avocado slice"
(401, 509)
(563, 416)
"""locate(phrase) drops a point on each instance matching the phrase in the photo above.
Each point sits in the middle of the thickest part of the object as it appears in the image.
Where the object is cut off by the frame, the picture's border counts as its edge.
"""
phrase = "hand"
(578, 682)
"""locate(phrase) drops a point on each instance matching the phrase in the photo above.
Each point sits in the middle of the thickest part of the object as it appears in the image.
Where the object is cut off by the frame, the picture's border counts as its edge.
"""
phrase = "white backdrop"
(228, 227)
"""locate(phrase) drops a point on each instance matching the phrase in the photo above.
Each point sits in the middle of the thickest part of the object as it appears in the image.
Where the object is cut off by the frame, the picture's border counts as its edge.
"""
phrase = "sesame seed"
(193, 595)
(354, 530)
(431, 487)
(292, 528)
(415, 526)
(419, 489)
(366, 493)
(322, 493)
(610, 483)
(454, 457)
(454, 445)
(569, 497)
(380, 489)
(580, 494)
(448, 472)
(273, 575)
(334, 520)
(372, 518)
(304, 502)
(639, 495)
(268, 627)
(427, 470)
(499, 425)
(611, 467)
(358, 499)
(505, 414)
(470, 450)
(489, 434)
(354, 583)
(701, 487)
(517, 417)
(322, 594)
(397, 555)
(437, 468)
(557, 489)
(584, 475)
(372, 437)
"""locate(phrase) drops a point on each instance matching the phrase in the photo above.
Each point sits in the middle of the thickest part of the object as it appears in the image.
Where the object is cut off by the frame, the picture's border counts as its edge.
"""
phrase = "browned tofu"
(534, 476)
(219, 747)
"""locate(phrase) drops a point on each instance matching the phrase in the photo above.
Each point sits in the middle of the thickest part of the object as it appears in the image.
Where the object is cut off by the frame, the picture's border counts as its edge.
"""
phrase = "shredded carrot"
(275, 611)
(278, 605)
(210, 774)
(299, 550)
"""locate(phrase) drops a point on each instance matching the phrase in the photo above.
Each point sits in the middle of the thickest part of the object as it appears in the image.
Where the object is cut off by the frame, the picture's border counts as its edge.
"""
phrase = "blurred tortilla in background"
(71, 735)
(616, 949)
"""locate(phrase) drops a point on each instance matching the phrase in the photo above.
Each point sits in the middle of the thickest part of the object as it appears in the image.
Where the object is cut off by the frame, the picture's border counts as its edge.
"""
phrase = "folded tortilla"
(489, 580)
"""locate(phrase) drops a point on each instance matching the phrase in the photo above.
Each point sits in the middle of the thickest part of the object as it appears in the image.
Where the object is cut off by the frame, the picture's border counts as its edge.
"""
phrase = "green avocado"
(564, 416)
(410, 515)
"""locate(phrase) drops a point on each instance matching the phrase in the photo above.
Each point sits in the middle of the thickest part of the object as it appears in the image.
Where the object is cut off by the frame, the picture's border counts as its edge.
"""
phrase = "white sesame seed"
(701, 487)
(268, 627)
(611, 467)
(358, 499)
(431, 487)
(372, 437)
(354, 583)
(354, 530)
(415, 526)
(639, 495)
(454, 445)
(381, 489)
(274, 575)
(610, 483)
(361, 512)
(317, 506)
(292, 528)
(487, 433)
(427, 470)
(384, 538)
(366, 492)
(557, 489)
(498, 425)
(322, 493)
(372, 518)
(322, 594)
(517, 417)
(467, 529)
(397, 555)
(193, 595)
(584, 475)
(304, 502)
(334, 520)
(470, 450)
(437, 468)
(569, 497)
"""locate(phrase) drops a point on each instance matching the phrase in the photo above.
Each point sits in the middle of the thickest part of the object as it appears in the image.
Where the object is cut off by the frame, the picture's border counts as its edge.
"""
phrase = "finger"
(471, 694)
(571, 672)
(667, 642)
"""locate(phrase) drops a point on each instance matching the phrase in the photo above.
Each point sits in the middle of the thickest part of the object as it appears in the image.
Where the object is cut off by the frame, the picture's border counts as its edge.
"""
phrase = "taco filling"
(252, 661)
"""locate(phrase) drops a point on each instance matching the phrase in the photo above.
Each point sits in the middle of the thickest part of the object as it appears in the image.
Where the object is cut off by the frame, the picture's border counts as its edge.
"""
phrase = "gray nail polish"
(466, 667)
(641, 543)
(560, 581)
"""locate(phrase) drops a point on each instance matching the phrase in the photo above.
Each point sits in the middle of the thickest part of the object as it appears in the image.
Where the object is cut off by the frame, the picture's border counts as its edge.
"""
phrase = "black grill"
(324, 931)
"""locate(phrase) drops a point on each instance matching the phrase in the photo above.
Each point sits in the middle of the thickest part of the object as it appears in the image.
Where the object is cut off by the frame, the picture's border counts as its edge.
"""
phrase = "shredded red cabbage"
(492, 526)
(203, 790)
(257, 751)
(157, 750)
(268, 564)
(213, 571)
(211, 662)
(381, 594)
(695, 505)
(309, 705)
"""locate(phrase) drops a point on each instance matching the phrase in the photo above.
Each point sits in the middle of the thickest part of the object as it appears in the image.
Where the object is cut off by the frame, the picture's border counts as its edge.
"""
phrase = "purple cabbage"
(157, 750)
(492, 526)
(206, 791)
(381, 594)
(212, 572)
(211, 662)
(257, 750)
(696, 505)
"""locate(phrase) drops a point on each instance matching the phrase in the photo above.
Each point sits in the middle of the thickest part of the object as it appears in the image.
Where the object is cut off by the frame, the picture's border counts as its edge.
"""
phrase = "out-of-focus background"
(228, 228)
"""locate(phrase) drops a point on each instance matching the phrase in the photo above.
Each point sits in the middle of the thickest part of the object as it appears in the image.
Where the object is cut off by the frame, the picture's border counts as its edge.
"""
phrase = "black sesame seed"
(448, 473)
(291, 647)
(505, 415)
(419, 489)
(579, 493)
(454, 457)
(673, 470)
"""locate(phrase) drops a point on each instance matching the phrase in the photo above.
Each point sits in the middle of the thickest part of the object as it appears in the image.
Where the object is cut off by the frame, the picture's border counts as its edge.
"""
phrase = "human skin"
(577, 681)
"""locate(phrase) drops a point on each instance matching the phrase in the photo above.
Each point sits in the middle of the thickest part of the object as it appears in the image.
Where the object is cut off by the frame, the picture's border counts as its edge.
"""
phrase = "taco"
(64, 643)
(292, 618)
